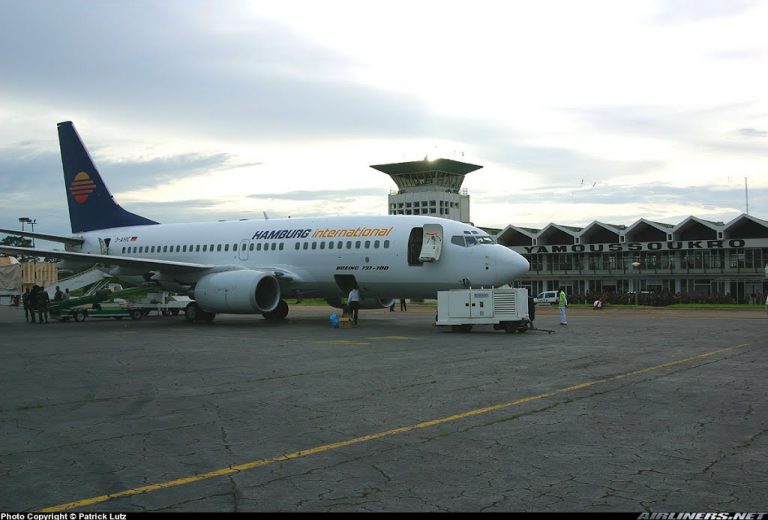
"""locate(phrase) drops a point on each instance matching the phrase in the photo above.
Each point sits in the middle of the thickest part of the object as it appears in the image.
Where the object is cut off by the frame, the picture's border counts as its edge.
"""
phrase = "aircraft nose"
(510, 265)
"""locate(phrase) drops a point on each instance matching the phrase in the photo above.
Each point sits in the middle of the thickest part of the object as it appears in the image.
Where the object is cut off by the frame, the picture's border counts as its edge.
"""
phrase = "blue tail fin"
(91, 206)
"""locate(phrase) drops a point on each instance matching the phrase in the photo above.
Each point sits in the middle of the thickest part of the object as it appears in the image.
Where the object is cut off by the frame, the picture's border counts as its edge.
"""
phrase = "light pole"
(31, 222)
(636, 265)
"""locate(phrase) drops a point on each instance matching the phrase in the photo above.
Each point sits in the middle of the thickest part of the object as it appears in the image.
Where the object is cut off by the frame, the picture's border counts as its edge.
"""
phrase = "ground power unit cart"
(505, 308)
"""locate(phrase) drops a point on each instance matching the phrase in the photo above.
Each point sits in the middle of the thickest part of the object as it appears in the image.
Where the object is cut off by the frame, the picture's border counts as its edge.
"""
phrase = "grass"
(706, 306)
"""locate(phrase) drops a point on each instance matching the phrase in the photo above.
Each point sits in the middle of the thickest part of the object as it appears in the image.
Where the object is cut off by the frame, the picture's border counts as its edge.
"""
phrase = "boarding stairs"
(78, 281)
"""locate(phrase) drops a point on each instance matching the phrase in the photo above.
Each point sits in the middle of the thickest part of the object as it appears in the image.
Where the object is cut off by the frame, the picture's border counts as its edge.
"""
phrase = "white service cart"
(505, 308)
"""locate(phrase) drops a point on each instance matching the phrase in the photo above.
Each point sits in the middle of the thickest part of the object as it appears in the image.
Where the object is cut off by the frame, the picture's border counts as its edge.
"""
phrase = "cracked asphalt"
(646, 410)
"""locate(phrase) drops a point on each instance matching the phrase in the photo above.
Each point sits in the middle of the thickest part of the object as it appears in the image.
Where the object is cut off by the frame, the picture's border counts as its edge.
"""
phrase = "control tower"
(429, 187)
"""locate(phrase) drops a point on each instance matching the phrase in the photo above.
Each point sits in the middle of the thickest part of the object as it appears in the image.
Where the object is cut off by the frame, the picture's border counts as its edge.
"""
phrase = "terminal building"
(693, 257)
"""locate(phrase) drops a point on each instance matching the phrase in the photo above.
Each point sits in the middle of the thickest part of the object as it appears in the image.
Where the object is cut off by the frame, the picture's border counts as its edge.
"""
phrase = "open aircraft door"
(432, 243)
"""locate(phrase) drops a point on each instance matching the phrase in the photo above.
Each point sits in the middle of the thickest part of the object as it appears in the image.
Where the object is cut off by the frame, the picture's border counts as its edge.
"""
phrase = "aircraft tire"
(195, 314)
(280, 312)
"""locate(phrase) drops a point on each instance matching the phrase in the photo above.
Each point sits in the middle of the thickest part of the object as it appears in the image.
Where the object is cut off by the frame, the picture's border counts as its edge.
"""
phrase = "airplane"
(249, 266)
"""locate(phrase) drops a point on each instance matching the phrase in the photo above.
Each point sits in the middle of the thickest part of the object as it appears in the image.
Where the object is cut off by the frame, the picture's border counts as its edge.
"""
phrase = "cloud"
(261, 79)
(134, 174)
(560, 164)
(648, 121)
(752, 132)
(313, 196)
(691, 11)
(619, 201)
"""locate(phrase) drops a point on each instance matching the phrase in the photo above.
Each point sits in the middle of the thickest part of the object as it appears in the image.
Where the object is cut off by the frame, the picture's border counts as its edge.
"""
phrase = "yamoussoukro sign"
(671, 245)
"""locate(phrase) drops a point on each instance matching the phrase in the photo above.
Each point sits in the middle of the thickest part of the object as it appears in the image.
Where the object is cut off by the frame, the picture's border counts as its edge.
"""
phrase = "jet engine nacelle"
(238, 292)
(365, 303)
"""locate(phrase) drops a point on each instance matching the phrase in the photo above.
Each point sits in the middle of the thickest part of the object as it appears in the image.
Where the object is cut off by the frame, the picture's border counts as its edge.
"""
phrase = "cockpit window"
(469, 241)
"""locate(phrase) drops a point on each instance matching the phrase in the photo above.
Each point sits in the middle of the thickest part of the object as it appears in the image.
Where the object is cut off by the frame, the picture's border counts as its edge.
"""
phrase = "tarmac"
(622, 410)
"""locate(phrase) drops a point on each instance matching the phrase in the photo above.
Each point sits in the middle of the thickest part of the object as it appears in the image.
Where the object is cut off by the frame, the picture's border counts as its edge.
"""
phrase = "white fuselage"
(312, 252)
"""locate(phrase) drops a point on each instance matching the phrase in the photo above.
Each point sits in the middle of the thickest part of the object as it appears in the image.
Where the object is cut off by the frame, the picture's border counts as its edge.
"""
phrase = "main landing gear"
(279, 313)
(195, 314)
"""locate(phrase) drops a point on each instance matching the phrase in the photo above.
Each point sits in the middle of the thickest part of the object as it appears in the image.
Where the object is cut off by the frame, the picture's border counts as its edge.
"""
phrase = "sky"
(206, 110)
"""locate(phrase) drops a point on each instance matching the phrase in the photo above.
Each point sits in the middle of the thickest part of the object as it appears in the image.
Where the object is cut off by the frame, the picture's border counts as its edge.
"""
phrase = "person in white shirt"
(354, 303)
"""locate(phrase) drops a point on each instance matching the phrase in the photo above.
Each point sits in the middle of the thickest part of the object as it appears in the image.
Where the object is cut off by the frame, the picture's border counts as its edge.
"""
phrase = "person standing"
(403, 306)
(563, 302)
(25, 302)
(42, 305)
(354, 303)
(33, 293)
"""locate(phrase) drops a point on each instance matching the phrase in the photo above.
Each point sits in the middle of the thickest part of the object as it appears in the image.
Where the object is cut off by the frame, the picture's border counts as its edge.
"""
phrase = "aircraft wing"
(150, 264)
(69, 240)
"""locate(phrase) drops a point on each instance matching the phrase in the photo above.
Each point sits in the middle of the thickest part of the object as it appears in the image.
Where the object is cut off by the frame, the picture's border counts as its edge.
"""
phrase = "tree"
(17, 241)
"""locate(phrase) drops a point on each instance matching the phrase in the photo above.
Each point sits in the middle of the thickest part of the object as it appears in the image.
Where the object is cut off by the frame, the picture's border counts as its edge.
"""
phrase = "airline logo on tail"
(81, 187)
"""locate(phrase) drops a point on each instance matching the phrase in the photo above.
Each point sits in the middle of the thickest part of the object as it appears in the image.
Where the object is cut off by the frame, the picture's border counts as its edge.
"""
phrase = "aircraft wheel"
(280, 312)
(195, 314)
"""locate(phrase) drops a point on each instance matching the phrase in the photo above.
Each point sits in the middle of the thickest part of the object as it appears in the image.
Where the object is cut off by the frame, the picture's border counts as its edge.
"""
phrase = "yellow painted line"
(389, 337)
(343, 342)
(374, 436)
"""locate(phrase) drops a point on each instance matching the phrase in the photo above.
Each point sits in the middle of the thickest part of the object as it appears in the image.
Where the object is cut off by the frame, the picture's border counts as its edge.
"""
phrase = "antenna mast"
(746, 194)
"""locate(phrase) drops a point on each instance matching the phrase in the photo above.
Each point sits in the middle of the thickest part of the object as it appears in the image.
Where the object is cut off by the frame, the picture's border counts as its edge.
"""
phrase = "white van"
(547, 297)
